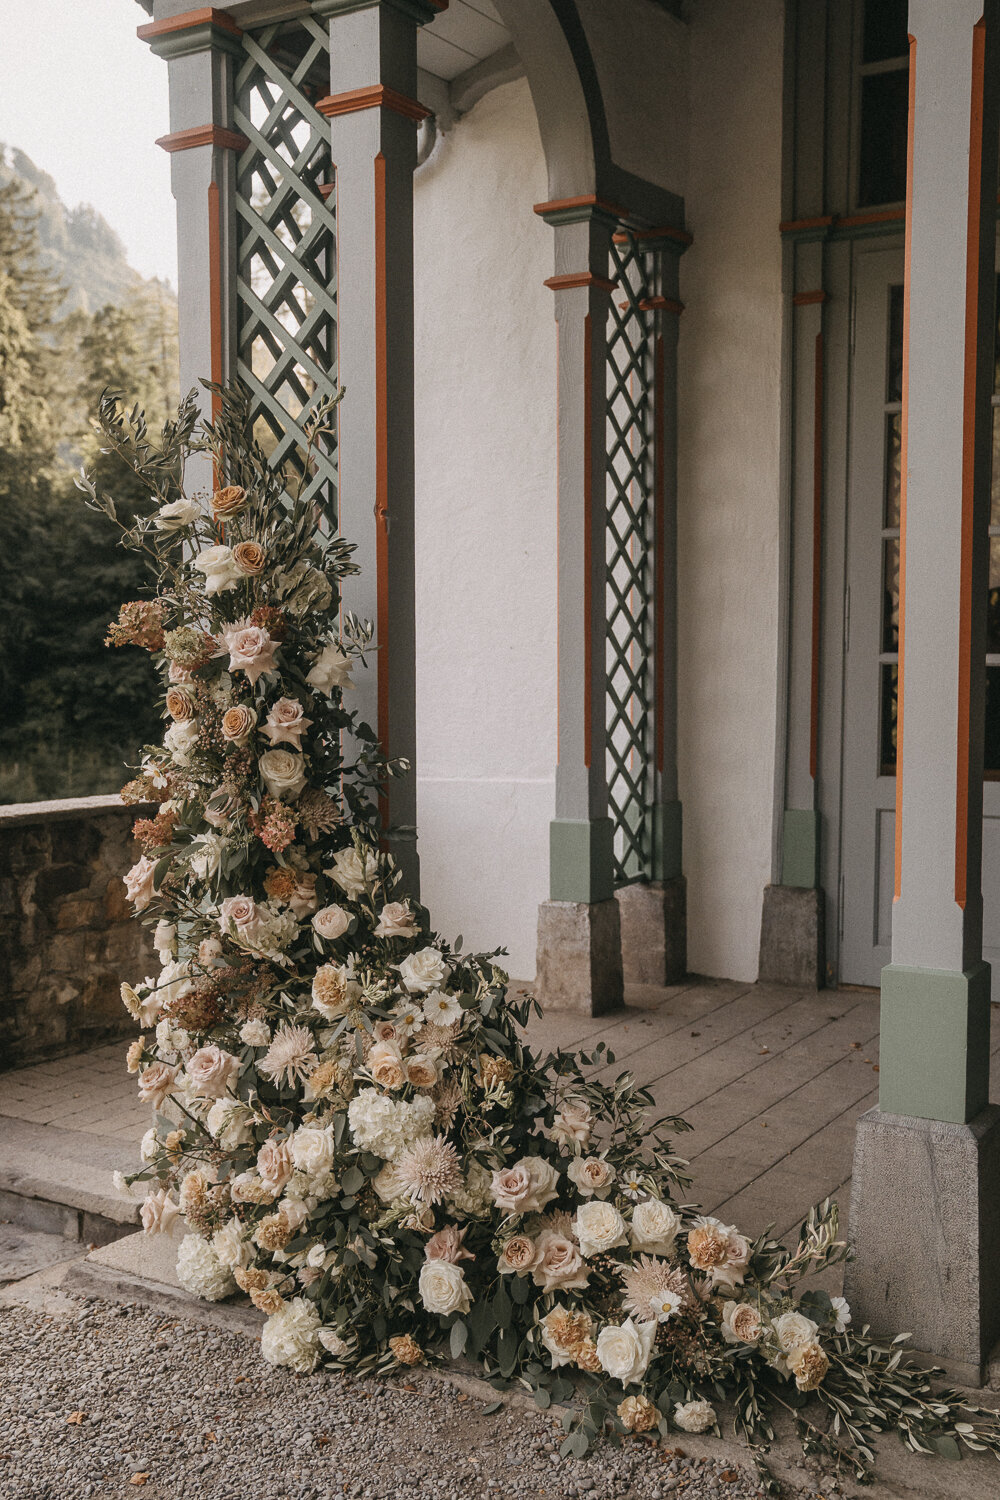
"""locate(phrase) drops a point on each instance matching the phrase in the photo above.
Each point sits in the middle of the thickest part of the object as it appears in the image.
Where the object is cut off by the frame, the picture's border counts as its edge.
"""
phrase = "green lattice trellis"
(630, 572)
(286, 242)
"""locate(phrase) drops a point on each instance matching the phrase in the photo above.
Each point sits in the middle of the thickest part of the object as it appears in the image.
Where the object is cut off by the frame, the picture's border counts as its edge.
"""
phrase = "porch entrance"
(871, 637)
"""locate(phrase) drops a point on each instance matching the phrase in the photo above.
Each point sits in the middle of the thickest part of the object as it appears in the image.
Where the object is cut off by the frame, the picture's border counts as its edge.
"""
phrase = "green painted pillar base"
(800, 848)
(935, 1042)
(581, 860)
(668, 840)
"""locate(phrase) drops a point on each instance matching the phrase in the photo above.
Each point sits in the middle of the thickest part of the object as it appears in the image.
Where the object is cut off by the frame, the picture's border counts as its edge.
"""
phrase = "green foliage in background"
(70, 715)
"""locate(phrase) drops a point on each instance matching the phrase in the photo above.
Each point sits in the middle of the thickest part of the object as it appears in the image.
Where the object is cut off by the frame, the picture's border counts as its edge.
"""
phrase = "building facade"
(668, 332)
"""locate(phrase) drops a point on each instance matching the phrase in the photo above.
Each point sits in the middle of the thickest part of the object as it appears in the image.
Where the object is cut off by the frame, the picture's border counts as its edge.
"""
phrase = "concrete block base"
(925, 1226)
(579, 965)
(654, 931)
(793, 937)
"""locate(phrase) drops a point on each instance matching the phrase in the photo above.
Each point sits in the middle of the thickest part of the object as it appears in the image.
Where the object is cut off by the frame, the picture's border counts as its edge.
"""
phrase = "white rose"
(332, 668)
(573, 1123)
(219, 569)
(170, 1037)
(291, 1336)
(654, 1227)
(149, 1146)
(229, 1123)
(331, 923)
(422, 971)
(232, 1246)
(625, 1352)
(180, 739)
(212, 1071)
(694, 1416)
(352, 873)
(158, 1213)
(592, 1176)
(312, 1150)
(283, 772)
(443, 1288)
(792, 1329)
(165, 940)
(599, 1227)
(206, 853)
(396, 920)
(177, 514)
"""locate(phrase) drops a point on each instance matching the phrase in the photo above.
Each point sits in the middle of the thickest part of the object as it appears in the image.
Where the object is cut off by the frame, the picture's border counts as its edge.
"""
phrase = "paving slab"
(25, 1252)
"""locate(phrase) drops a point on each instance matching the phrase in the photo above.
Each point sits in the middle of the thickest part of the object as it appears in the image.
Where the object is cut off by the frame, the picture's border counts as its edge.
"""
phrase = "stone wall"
(67, 935)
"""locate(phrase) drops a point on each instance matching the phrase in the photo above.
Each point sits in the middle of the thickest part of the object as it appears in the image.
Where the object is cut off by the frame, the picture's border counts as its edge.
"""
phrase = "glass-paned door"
(871, 637)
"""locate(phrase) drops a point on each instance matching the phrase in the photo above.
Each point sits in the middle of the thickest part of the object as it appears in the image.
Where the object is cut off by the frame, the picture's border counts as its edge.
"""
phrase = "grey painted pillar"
(579, 940)
(926, 1210)
(201, 49)
(373, 116)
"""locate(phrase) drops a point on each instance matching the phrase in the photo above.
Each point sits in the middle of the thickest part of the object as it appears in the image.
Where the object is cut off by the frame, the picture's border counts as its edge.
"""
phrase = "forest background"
(75, 319)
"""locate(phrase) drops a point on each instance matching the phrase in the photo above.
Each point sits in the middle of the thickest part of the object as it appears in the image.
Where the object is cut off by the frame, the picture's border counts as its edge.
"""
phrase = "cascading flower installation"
(347, 1117)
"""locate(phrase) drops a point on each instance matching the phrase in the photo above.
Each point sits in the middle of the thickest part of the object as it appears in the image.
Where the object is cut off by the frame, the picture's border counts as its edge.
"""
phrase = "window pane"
(893, 469)
(991, 758)
(885, 30)
(890, 597)
(887, 734)
(894, 375)
(884, 104)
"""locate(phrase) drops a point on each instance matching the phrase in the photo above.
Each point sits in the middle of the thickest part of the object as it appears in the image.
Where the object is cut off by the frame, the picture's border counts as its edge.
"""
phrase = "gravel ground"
(105, 1401)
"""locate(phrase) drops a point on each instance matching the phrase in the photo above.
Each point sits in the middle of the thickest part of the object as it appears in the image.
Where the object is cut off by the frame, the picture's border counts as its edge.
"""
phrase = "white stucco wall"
(729, 481)
(485, 528)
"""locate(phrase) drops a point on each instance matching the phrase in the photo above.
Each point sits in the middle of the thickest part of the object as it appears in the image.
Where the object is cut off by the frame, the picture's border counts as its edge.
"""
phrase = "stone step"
(59, 1182)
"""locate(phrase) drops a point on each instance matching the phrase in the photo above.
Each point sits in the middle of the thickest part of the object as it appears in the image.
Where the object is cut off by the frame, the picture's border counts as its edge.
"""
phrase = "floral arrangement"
(347, 1118)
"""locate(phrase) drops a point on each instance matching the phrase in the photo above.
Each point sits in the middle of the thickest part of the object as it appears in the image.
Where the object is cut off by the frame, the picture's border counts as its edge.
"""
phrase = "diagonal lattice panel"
(629, 560)
(286, 245)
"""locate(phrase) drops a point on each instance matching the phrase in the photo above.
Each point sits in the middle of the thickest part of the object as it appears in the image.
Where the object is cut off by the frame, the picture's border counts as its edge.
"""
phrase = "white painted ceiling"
(460, 37)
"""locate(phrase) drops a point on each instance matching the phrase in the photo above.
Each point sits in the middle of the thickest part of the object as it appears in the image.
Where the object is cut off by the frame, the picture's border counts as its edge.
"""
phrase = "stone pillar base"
(579, 964)
(654, 931)
(925, 1226)
(792, 937)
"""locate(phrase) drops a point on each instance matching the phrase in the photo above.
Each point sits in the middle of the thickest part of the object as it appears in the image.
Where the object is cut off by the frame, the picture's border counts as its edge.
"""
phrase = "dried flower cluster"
(347, 1117)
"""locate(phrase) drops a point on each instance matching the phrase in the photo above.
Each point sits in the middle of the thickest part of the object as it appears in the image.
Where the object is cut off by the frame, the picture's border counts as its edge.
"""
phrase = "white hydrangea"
(387, 1126)
(201, 1272)
(474, 1199)
(291, 1336)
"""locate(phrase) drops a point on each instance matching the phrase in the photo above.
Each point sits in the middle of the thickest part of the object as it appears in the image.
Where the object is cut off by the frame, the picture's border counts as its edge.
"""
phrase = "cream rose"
(573, 1123)
(558, 1264)
(331, 669)
(218, 568)
(237, 723)
(385, 1063)
(625, 1351)
(212, 1071)
(592, 1176)
(313, 1150)
(792, 1329)
(242, 916)
(517, 1256)
(180, 740)
(283, 772)
(251, 649)
(158, 1213)
(422, 971)
(331, 923)
(526, 1187)
(654, 1227)
(286, 723)
(352, 873)
(396, 920)
(599, 1228)
(741, 1323)
(176, 515)
(443, 1288)
(139, 883)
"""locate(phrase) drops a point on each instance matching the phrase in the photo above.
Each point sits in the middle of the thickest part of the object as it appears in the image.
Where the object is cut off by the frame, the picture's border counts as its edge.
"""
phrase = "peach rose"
(230, 500)
(421, 1071)
(156, 1083)
(242, 914)
(180, 704)
(250, 558)
(251, 650)
(385, 1063)
(139, 883)
(237, 723)
(286, 723)
(517, 1256)
(396, 920)
(274, 1164)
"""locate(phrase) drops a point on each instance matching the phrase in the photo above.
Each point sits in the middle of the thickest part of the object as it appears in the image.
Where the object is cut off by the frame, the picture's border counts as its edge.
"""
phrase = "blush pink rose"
(274, 1164)
(242, 914)
(212, 1070)
(251, 650)
(286, 723)
(447, 1244)
(558, 1263)
(139, 883)
(156, 1083)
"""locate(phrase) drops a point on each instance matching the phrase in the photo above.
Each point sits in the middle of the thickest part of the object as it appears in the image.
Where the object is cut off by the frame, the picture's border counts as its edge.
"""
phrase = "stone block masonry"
(67, 937)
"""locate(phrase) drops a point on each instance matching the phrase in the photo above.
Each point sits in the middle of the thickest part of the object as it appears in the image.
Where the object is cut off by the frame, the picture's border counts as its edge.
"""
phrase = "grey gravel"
(202, 1418)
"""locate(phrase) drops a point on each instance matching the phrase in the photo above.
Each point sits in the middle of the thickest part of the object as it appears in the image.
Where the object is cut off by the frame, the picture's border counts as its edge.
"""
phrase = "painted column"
(925, 1215)
(201, 48)
(579, 936)
(373, 113)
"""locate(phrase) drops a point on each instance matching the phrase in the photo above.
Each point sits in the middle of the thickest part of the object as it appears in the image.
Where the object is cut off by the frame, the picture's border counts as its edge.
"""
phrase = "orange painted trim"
(588, 498)
(207, 15)
(904, 424)
(886, 216)
(789, 226)
(661, 304)
(382, 465)
(667, 232)
(579, 278)
(659, 530)
(377, 96)
(817, 557)
(972, 241)
(203, 135)
(584, 200)
(809, 299)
